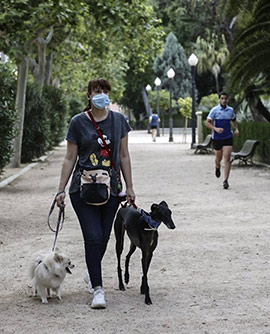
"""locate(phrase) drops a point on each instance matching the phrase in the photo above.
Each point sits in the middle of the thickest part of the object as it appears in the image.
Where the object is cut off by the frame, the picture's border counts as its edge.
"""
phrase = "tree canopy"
(173, 56)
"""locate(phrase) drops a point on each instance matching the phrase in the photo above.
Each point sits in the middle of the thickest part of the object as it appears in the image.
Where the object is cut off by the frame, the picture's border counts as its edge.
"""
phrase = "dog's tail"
(31, 270)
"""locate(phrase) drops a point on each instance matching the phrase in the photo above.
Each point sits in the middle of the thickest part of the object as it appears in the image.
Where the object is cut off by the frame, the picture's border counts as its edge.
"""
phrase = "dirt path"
(209, 275)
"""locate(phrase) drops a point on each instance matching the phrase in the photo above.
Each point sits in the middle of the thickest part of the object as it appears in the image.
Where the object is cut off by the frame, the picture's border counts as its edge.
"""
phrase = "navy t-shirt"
(91, 153)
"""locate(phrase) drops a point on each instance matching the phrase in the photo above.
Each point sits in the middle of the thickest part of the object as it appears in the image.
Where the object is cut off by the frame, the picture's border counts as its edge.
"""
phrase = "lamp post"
(157, 83)
(148, 89)
(170, 75)
(193, 61)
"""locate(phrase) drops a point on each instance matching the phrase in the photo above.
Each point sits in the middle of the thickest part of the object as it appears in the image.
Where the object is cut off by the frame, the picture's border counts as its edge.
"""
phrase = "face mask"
(100, 101)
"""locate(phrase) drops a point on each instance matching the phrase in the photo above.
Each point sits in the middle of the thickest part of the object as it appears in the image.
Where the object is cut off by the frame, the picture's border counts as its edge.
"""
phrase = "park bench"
(205, 146)
(246, 153)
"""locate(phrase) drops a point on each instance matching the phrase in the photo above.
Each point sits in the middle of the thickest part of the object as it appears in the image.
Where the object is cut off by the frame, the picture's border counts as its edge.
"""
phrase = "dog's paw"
(148, 301)
(44, 301)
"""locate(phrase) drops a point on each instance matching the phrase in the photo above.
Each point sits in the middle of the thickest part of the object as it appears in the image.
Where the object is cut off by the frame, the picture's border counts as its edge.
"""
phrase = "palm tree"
(249, 59)
(248, 64)
(212, 53)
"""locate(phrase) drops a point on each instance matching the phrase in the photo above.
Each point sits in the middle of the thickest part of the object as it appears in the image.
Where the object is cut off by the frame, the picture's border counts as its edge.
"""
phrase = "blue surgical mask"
(100, 101)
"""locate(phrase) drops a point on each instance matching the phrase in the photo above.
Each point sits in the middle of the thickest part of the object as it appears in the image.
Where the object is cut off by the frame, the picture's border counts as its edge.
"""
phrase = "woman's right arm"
(67, 168)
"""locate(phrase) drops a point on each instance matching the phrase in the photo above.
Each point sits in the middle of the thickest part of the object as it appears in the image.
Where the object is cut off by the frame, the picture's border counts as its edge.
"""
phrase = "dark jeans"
(96, 224)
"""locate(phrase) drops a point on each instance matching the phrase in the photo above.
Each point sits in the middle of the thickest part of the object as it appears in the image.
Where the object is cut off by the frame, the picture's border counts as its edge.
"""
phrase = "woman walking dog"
(98, 140)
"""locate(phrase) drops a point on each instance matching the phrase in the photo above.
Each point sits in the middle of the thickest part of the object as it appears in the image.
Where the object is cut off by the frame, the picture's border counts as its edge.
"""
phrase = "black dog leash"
(60, 220)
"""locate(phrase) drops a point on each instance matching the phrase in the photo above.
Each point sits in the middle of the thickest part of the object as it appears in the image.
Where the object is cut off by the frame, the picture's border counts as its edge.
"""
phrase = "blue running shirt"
(154, 120)
(221, 118)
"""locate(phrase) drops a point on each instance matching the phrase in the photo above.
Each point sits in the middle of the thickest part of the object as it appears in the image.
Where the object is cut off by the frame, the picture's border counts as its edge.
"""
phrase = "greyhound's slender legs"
(146, 259)
(131, 251)
(119, 235)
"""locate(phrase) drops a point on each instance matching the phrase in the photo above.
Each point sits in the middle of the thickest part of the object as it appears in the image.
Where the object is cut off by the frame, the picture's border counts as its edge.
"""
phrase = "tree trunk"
(20, 107)
(42, 44)
(41, 65)
(259, 112)
(184, 139)
(48, 69)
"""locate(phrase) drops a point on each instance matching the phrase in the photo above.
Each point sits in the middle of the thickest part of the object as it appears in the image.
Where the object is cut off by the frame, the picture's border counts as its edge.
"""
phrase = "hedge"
(45, 121)
(252, 130)
(7, 114)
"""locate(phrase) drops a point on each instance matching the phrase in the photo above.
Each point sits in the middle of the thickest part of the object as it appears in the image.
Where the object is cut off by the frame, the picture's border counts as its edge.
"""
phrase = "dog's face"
(62, 259)
(161, 212)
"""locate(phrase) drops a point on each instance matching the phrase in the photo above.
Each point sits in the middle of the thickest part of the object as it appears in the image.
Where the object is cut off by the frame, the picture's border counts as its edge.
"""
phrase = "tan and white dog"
(48, 270)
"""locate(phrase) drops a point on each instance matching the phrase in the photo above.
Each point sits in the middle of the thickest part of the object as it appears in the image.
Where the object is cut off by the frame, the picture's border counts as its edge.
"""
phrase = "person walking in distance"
(154, 120)
(219, 121)
(86, 151)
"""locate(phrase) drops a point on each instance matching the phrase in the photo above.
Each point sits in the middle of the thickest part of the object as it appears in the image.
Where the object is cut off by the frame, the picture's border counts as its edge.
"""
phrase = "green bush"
(75, 107)
(44, 122)
(36, 131)
(57, 112)
(7, 114)
(208, 102)
(252, 130)
(258, 131)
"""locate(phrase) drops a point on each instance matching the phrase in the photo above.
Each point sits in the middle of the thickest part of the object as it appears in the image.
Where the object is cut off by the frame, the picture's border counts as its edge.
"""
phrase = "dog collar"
(153, 225)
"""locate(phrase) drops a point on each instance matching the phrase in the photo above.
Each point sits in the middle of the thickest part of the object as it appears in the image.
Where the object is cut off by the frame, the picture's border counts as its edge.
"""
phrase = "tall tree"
(248, 65)
(21, 25)
(173, 56)
(212, 53)
(117, 37)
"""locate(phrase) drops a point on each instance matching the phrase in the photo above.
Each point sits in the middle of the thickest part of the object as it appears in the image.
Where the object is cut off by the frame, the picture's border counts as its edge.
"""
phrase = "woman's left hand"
(130, 195)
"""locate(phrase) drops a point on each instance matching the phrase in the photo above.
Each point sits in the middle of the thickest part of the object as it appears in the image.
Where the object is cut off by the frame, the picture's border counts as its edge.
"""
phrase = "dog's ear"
(154, 207)
(163, 203)
(58, 258)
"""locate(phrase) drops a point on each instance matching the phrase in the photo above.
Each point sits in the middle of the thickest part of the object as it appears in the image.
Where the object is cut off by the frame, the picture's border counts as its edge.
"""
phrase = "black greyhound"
(141, 228)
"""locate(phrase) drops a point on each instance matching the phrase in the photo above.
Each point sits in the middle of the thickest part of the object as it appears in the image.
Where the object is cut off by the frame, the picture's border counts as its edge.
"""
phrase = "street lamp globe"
(148, 88)
(157, 81)
(193, 60)
(171, 73)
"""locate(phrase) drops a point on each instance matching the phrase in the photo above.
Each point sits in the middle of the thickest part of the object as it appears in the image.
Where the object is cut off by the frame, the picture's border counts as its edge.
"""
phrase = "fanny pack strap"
(102, 138)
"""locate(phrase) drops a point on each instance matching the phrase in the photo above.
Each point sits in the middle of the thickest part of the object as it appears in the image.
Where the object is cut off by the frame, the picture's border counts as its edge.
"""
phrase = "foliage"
(164, 100)
(255, 131)
(45, 121)
(57, 113)
(251, 51)
(7, 114)
(185, 107)
(132, 95)
(212, 53)
(75, 106)
(36, 132)
(208, 102)
(173, 56)
(187, 19)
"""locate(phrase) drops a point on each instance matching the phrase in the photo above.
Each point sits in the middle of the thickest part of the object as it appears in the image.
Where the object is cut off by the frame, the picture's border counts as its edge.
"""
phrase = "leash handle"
(60, 220)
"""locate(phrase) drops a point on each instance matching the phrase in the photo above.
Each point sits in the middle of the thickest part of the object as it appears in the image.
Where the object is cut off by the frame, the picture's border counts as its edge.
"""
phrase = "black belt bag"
(95, 186)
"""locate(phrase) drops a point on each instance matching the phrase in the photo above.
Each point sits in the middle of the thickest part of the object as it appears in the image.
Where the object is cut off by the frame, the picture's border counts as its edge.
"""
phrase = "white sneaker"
(98, 298)
(88, 281)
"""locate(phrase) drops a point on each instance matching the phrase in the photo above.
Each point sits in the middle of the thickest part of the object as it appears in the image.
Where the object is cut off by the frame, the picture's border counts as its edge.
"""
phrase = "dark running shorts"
(218, 144)
(153, 126)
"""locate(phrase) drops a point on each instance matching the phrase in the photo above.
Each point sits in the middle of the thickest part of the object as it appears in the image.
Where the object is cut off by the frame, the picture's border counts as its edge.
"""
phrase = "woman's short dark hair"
(222, 93)
(99, 83)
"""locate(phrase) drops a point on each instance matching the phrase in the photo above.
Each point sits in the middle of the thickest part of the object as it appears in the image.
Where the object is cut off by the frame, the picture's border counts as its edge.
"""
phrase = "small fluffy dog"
(48, 270)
